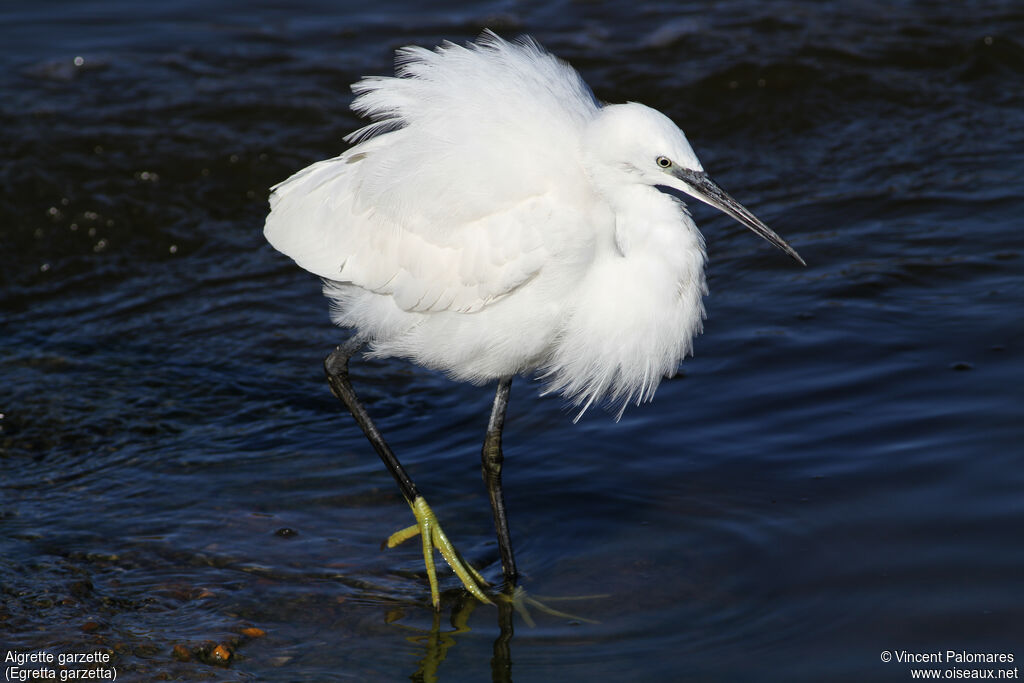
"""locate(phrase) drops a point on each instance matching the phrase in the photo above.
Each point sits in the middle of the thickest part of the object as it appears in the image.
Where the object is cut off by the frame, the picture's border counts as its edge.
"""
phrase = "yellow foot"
(429, 529)
(521, 603)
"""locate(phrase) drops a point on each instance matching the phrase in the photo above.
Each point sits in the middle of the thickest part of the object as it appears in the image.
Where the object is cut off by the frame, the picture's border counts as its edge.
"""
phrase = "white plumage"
(495, 219)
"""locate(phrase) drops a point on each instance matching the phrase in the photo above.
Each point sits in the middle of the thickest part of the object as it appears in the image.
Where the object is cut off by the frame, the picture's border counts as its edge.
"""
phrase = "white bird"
(494, 219)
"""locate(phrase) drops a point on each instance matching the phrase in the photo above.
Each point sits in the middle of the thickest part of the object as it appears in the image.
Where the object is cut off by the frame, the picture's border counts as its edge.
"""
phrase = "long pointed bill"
(701, 186)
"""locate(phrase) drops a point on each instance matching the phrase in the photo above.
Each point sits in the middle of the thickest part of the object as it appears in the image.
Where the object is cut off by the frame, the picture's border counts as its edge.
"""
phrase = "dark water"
(838, 472)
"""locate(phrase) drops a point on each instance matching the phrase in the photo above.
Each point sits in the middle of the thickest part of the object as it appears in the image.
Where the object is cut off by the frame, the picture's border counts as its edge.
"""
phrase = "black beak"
(707, 190)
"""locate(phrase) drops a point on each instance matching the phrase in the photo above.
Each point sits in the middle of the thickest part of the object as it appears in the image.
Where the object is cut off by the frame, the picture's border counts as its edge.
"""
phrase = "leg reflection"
(512, 603)
(437, 642)
(501, 661)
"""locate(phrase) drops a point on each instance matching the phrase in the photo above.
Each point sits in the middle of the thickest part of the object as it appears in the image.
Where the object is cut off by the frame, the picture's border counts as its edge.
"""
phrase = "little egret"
(494, 219)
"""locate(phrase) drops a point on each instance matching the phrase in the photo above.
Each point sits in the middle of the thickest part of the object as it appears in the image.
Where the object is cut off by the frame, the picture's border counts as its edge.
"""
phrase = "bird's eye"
(664, 162)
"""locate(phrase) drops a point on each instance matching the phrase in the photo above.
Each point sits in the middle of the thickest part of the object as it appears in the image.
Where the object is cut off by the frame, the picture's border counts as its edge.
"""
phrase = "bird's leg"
(514, 599)
(427, 526)
(492, 459)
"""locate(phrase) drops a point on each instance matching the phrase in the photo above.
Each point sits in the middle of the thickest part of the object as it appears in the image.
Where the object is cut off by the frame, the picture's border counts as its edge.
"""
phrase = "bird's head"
(634, 144)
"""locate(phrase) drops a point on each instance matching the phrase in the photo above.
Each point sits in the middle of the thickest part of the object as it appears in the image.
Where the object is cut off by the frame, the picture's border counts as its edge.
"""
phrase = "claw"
(433, 536)
(522, 602)
(402, 536)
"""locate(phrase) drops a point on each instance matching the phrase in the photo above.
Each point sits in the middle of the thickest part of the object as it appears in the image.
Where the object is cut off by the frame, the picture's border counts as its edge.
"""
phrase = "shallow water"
(836, 473)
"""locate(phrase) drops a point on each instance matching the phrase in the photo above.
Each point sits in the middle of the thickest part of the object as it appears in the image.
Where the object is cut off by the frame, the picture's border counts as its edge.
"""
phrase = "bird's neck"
(648, 221)
(634, 315)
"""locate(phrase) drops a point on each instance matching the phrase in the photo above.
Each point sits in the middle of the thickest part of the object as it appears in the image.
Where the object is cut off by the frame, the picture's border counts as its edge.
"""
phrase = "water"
(837, 472)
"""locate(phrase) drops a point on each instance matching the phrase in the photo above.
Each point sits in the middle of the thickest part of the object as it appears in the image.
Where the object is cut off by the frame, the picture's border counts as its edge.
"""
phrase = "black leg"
(492, 459)
(427, 526)
(336, 367)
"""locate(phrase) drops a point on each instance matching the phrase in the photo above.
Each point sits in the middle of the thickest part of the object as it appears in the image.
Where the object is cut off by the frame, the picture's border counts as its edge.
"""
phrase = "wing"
(316, 220)
(442, 204)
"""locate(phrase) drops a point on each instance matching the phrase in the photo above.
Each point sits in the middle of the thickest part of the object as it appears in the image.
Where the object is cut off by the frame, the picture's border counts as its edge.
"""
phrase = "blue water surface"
(835, 475)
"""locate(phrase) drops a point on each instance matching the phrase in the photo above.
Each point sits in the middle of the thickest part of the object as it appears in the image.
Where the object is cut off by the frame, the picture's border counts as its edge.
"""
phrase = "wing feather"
(468, 151)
